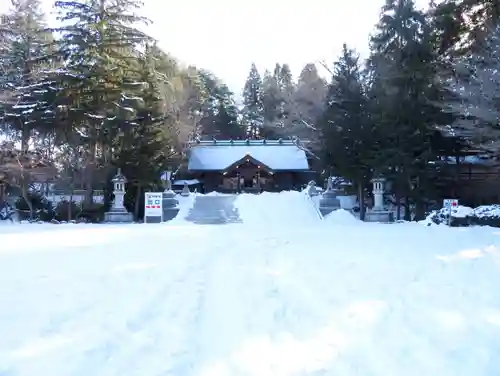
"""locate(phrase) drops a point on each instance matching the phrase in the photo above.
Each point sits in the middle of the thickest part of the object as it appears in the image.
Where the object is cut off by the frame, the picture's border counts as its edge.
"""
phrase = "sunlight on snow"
(450, 320)
(470, 254)
(41, 347)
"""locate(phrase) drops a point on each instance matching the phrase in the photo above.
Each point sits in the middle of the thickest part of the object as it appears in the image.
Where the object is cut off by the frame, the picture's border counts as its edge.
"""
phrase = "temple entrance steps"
(214, 210)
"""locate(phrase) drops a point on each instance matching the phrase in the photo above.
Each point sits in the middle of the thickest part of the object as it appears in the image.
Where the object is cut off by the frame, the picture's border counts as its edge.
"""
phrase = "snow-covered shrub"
(486, 215)
(42, 208)
(460, 216)
(7, 212)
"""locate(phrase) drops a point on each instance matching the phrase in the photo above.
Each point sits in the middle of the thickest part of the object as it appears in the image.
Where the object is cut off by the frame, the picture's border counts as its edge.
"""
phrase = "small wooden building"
(252, 166)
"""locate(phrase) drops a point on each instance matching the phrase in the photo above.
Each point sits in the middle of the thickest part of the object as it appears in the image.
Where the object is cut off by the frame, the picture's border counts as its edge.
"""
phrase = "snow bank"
(185, 205)
(461, 211)
(277, 209)
(341, 217)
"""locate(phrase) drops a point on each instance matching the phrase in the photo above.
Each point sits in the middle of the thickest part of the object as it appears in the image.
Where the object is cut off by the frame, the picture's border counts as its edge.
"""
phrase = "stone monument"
(378, 213)
(329, 201)
(170, 204)
(118, 213)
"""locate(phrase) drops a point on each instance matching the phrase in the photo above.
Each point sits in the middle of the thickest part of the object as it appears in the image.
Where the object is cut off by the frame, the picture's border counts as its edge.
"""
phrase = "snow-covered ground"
(332, 297)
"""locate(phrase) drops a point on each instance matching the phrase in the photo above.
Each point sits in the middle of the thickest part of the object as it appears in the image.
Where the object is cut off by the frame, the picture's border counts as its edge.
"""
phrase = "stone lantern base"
(379, 215)
(116, 215)
(170, 205)
(329, 202)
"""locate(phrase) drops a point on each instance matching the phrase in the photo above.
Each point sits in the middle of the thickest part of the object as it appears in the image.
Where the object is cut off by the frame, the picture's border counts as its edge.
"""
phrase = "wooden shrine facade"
(250, 166)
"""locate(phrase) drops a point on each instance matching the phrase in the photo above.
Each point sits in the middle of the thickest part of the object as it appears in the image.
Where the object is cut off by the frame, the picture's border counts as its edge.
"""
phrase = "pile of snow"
(460, 211)
(341, 217)
(277, 209)
(185, 205)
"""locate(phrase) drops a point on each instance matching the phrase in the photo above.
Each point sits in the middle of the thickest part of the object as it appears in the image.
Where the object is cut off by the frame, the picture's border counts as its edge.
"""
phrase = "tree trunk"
(137, 201)
(398, 204)
(419, 210)
(25, 137)
(407, 216)
(24, 193)
(70, 207)
(362, 204)
(89, 176)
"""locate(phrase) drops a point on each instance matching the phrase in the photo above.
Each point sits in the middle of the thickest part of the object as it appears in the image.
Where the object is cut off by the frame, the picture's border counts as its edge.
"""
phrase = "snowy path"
(228, 301)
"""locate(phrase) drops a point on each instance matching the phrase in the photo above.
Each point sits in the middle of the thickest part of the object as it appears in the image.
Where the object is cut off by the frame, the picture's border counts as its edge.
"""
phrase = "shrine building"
(251, 166)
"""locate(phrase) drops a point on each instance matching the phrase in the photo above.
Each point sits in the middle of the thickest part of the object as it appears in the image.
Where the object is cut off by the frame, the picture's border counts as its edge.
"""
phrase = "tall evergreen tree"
(407, 99)
(253, 110)
(462, 25)
(308, 103)
(26, 93)
(270, 99)
(98, 44)
(25, 58)
(477, 86)
(220, 115)
(146, 147)
(348, 138)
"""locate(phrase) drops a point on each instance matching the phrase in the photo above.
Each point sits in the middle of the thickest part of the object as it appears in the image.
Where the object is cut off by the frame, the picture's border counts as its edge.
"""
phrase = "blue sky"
(226, 36)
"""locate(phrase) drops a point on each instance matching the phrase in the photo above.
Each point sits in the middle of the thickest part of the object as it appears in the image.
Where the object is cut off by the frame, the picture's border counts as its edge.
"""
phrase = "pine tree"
(286, 88)
(219, 113)
(477, 86)
(26, 96)
(407, 101)
(270, 99)
(25, 106)
(348, 139)
(99, 45)
(253, 111)
(462, 25)
(226, 116)
(146, 147)
(308, 103)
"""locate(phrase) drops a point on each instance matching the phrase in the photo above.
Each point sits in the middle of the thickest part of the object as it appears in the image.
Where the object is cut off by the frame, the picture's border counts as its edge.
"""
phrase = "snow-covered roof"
(277, 155)
(188, 182)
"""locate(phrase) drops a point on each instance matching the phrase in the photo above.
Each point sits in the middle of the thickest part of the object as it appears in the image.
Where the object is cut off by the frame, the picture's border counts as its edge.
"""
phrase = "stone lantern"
(170, 204)
(166, 177)
(118, 213)
(378, 212)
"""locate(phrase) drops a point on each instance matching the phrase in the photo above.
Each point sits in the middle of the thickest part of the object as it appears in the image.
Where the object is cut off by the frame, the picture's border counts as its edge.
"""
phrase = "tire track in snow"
(158, 338)
(142, 332)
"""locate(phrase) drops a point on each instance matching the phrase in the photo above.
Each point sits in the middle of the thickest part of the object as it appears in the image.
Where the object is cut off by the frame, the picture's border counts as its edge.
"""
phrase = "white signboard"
(450, 203)
(153, 204)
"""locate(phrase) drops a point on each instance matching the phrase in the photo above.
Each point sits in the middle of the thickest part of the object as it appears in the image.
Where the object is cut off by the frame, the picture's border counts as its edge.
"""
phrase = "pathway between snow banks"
(238, 300)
